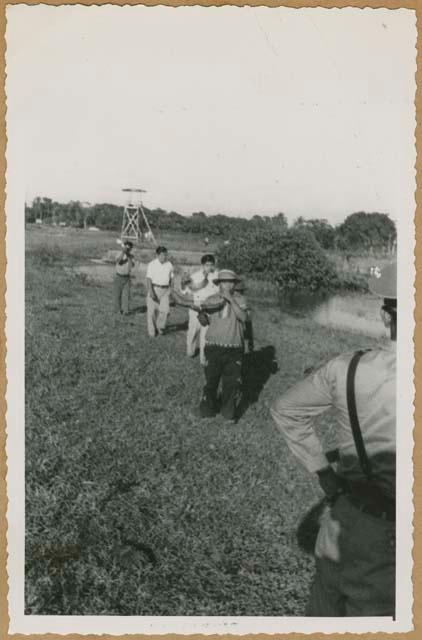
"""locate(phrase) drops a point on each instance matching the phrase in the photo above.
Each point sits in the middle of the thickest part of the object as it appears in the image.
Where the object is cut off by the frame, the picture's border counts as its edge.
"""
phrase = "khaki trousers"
(157, 312)
(119, 285)
(195, 336)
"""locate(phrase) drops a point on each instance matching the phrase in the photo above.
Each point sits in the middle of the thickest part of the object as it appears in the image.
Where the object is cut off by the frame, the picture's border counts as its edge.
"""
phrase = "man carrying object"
(201, 285)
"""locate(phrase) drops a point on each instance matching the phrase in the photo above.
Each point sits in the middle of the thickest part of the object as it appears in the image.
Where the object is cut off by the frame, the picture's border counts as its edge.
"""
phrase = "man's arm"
(184, 300)
(240, 310)
(121, 258)
(150, 290)
(294, 413)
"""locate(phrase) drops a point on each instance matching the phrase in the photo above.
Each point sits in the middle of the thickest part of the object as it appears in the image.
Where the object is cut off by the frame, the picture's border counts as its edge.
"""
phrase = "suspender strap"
(353, 415)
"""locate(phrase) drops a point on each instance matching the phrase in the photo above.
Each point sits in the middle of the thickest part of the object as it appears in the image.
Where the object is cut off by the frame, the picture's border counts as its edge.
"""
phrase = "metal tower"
(132, 214)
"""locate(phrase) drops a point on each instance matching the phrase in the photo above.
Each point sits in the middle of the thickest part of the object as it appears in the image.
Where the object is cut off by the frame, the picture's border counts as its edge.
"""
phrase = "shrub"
(292, 260)
(353, 282)
(46, 255)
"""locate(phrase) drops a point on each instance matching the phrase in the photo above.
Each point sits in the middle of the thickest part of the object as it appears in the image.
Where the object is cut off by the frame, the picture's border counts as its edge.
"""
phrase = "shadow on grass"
(180, 326)
(257, 368)
(142, 308)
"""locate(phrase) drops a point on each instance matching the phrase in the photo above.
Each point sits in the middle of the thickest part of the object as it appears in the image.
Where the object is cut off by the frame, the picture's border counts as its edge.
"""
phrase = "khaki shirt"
(375, 390)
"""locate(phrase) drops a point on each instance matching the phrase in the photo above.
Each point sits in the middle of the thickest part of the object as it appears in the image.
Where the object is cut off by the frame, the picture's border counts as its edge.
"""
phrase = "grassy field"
(133, 505)
(79, 244)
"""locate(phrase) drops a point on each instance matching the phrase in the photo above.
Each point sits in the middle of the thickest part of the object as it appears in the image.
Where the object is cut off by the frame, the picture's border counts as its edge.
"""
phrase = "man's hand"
(203, 319)
(226, 295)
(185, 280)
(330, 482)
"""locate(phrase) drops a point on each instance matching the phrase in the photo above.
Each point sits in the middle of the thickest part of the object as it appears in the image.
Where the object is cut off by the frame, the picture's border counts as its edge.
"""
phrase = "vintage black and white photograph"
(210, 250)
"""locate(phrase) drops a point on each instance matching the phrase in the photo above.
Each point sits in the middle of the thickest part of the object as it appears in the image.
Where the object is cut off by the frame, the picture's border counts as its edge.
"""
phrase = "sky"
(230, 110)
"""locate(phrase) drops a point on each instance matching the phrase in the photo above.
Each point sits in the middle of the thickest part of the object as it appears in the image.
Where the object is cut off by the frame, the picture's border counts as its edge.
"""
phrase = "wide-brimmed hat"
(226, 275)
(383, 282)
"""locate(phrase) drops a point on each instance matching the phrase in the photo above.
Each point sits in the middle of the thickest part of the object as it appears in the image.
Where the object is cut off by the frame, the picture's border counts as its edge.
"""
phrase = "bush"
(46, 255)
(292, 260)
(353, 282)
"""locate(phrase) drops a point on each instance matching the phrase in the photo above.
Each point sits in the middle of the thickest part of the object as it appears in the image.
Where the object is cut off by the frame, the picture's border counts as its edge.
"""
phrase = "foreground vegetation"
(133, 505)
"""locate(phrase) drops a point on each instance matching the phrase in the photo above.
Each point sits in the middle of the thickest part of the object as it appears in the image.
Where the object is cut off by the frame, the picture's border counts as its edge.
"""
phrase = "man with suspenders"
(355, 546)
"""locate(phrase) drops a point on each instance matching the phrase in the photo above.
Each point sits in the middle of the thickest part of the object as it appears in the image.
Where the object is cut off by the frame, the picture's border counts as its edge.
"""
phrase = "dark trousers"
(225, 364)
(360, 581)
(120, 283)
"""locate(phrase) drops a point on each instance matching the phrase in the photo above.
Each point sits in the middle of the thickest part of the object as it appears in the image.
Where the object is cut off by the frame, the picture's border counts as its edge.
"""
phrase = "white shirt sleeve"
(294, 412)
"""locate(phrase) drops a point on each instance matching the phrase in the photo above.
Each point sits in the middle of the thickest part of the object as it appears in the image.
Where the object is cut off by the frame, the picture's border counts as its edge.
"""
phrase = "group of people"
(355, 544)
(218, 316)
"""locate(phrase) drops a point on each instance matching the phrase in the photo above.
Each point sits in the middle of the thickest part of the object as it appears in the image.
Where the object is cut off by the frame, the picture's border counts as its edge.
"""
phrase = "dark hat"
(226, 275)
(383, 282)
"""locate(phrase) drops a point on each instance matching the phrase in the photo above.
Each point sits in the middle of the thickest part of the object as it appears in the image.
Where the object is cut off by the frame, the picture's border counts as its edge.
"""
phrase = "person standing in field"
(160, 275)
(122, 280)
(201, 284)
(355, 546)
(224, 346)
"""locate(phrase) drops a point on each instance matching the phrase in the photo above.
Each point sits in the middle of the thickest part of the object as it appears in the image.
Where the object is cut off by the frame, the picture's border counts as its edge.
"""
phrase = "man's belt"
(221, 345)
(384, 511)
(161, 286)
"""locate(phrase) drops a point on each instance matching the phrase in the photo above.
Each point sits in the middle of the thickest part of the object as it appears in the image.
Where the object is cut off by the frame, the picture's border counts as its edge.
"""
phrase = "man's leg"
(163, 310)
(231, 381)
(326, 599)
(129, 292)
(368, 575)
(151, 314)
(117, 293)
(208, 404)
(202, 338)
(192, 333)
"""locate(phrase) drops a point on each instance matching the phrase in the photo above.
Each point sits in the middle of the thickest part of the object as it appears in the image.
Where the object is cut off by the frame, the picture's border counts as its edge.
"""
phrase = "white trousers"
(157, 312)
(195, 336)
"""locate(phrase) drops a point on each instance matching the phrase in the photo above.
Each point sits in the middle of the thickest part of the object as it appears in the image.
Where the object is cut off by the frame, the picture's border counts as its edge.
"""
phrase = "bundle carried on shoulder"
(213, 303)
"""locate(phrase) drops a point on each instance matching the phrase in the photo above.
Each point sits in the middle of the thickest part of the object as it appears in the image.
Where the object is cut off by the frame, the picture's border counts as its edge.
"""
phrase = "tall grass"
(133, 505)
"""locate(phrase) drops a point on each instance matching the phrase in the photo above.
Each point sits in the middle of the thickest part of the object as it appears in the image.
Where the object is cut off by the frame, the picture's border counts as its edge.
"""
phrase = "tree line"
(359, 232)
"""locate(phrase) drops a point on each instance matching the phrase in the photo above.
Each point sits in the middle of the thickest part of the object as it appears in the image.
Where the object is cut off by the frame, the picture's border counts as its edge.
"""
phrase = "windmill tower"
(133, 213)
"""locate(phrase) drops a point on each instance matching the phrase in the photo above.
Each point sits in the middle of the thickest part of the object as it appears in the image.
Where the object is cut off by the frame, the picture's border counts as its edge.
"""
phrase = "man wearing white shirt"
(159, 282)
(201, 285)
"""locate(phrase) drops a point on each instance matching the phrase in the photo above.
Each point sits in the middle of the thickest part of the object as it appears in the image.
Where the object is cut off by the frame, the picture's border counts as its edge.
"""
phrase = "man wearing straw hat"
(225, 314)
(355, 546)
(224, 346)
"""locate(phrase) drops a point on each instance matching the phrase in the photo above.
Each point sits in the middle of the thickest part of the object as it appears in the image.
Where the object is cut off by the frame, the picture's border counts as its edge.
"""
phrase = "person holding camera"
(355, 544)
(125, 262)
